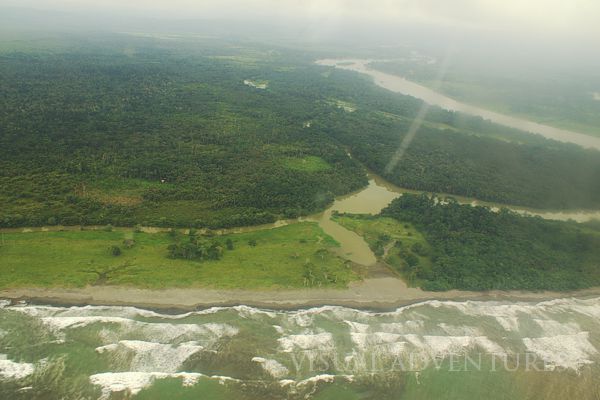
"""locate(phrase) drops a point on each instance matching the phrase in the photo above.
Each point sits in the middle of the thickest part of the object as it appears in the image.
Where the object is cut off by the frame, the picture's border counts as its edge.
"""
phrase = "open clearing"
(288, 257)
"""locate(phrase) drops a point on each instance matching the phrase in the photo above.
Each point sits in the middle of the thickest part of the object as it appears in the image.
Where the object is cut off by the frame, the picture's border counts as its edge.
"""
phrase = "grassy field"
(395, 243)
(290, 256)
(306, 164)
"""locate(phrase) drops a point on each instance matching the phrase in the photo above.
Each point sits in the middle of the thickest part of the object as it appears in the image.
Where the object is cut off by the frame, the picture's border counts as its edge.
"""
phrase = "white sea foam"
(567, 351)
(589, 307)
(132, 383)
(365, 340)
(4, 303)
(303, 319)
(443, 346)
(554, 328)
(508, 314)
(406, 327)
(159, 332)
(62, 323)
(382, 344)
(14, 370)
(246, 312)
(489, 346)
(316, 379)
(120, 311)
(454, 330)
(272, 367)
(153, 357)
(321, 341)
(357, 327)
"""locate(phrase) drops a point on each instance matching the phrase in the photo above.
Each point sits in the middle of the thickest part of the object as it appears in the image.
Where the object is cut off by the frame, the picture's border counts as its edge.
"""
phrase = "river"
(379, 193)
(369, 200)
(398, 84)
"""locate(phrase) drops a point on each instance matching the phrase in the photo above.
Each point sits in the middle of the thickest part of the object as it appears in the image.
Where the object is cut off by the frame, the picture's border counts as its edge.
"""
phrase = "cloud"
(561, 15)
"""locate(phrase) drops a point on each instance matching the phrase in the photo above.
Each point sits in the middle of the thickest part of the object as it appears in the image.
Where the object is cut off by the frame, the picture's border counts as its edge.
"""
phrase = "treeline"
(474, 248)
(545, 175)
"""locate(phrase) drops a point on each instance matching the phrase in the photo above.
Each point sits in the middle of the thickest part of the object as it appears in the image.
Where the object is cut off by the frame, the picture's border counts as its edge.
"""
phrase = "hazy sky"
(564, 16)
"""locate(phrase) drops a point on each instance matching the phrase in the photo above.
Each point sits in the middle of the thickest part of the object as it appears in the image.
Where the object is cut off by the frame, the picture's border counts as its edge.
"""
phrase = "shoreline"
(373, 294)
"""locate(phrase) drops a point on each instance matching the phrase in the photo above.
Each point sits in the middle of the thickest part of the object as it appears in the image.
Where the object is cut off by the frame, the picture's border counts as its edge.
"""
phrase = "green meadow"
(292, 256)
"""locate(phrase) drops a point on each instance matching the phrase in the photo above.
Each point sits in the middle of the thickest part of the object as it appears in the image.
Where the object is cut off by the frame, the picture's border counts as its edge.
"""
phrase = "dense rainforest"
(92, 139)
(474, 248)
(237, 135)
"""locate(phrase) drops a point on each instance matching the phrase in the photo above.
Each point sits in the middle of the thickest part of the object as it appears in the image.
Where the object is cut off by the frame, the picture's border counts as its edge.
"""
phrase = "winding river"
(379, 193)
(398, 84)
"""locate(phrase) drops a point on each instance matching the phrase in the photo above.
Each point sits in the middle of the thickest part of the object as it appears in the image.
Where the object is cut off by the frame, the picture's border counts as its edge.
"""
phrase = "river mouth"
(370, 200)
(400, 85)
(380, 193)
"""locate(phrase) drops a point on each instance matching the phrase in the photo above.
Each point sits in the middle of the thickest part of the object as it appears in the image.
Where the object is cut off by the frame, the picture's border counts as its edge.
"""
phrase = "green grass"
(306, 164)
(384, 233)
(279, 260)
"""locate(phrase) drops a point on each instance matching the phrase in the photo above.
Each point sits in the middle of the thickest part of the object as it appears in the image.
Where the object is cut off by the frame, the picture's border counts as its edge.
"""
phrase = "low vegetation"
(292, 256)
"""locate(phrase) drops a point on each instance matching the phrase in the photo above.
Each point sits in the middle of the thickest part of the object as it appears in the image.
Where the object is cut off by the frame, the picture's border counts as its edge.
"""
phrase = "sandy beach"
(376, 293)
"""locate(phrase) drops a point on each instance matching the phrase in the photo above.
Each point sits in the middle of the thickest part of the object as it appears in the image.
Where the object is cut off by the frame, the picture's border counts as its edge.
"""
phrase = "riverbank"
(398, 84)
(377, 293)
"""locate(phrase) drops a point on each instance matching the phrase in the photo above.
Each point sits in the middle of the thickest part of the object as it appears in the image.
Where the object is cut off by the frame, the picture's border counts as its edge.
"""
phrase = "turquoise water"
(431, 350)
